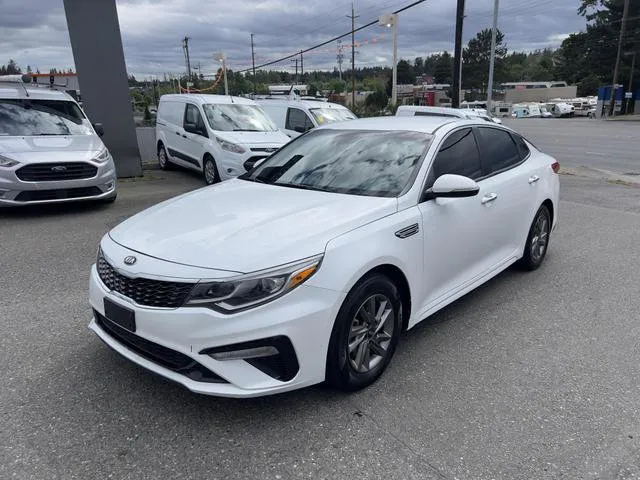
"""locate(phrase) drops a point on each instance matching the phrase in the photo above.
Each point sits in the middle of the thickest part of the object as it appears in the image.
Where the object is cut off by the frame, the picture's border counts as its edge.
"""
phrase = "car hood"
(45, 144)
(244, 226)
(254, 138)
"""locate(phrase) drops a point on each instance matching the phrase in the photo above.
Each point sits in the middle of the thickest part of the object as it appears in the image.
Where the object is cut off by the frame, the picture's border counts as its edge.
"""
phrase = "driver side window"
(458, 155)
(192, 116)
(298, 118)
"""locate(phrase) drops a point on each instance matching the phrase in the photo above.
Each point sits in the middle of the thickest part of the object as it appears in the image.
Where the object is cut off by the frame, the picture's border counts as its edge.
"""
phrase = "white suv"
(219, 135)
(49, 151)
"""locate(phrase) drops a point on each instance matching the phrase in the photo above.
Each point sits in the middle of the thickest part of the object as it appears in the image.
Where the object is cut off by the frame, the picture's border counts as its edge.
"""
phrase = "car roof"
(444, 110)
(415, 124)
(202, 98)
(19, 91)
(301, 103)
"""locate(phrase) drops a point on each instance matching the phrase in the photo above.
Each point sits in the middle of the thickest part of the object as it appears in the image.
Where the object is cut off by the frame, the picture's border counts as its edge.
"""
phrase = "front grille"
(267, 149)
(58, 194)
(45, 172)
(143, 291)
(166, 357)
(250, 162)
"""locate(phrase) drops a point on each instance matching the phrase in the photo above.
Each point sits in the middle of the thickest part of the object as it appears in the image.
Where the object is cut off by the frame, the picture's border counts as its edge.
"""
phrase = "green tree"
(589, 85)
(476, 57)
(377, 100)
(418, 66)
(443, 68)
(405, 73)
(337, 86)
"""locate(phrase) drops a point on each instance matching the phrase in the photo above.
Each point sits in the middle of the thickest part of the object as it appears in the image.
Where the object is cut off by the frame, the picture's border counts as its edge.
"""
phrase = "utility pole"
(340, 58)
(253, 62)
(301, 68)
(633, 67)
(185, 48)
(625, 14)
(353, 17)
(494, 32)
(296, 62)
(457, 59)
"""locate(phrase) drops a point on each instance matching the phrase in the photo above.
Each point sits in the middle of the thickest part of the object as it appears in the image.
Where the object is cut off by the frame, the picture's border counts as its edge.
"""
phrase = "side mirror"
(259, 162)
(452, 186)
(98, 128)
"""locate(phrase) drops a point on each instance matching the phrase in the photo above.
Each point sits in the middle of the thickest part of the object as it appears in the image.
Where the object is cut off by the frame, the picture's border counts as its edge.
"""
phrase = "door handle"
(177, 133)
(184, 135)
(533, 179)
(489, 197)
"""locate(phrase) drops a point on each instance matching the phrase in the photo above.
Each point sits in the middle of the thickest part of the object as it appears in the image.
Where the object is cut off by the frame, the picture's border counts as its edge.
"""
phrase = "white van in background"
(218, 135)
(295, 117)
(561, 109)
(429, 111)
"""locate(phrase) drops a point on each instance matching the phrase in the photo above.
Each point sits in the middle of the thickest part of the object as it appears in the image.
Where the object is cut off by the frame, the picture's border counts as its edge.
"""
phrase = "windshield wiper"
(52, 134)
(246, 130)
(300, 186)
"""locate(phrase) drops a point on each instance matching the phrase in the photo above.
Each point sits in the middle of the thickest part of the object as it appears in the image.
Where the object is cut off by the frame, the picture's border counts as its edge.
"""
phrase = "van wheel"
(210, 170)
(365, 334)
(163, 159)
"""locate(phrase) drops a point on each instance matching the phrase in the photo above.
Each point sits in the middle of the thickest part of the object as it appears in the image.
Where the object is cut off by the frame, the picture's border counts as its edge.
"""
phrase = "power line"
(374, 22)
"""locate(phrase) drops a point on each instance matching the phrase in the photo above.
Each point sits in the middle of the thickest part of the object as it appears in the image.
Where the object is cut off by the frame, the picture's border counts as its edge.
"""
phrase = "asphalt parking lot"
(533, 375)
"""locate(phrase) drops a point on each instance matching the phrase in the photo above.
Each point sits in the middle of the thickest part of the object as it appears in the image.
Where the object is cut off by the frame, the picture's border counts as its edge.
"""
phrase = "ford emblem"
(59, 168)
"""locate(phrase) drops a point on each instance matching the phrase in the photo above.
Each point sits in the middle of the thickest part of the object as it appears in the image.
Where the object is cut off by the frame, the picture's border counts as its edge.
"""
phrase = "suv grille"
(168, 358)
(44, 172)
(143, 291)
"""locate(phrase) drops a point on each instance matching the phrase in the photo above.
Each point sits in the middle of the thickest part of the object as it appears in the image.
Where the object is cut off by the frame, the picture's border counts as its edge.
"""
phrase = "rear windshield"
(42, 117)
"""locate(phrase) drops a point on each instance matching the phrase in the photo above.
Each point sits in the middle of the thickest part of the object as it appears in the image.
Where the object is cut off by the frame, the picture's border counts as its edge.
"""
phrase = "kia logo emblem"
(59, 168)
(130, 260)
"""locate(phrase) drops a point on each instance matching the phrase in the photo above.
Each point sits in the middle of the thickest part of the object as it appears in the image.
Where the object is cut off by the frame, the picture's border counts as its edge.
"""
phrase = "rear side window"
(297, 118)
(523, 148)
(498, 149)
(458, 155)
(171, 113)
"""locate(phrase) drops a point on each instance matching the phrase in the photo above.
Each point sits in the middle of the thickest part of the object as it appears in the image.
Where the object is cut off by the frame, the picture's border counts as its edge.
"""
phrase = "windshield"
(325, 116)
(26, 118)
(360, 162)
(238, 118)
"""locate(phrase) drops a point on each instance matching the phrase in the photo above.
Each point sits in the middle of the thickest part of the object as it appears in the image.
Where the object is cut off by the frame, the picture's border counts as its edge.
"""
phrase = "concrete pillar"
(97, 51)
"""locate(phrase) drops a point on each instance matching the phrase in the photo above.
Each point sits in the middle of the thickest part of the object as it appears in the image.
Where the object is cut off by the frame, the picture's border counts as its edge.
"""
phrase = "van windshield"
(325, 116)
(26, 118)
(237, 118)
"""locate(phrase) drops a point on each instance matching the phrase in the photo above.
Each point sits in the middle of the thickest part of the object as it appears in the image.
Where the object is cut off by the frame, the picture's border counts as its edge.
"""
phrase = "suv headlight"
(230, 147)
(102, 156)
(7, 162)
(253, 289)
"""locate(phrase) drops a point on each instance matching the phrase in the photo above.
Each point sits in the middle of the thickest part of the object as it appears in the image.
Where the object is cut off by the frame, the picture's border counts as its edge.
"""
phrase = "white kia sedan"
(308, 268)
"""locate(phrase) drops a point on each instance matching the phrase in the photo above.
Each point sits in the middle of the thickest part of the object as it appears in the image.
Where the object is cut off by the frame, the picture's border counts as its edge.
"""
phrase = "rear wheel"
(210, 171)
(365, 334)
(537, 240)
(163, 159)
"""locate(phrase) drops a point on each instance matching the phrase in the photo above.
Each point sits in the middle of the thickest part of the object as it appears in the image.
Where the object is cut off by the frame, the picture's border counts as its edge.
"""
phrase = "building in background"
(518, 92)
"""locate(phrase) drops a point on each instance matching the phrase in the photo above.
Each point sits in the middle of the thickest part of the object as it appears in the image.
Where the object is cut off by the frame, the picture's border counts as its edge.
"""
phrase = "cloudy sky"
(34, 32)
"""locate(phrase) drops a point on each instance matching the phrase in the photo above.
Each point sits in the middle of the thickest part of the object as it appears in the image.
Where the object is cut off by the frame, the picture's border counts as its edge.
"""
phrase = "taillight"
(556, 167)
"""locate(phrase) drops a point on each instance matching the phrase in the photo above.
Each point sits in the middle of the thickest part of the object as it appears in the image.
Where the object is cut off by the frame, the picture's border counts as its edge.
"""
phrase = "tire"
(210, 171)
(538, 240)
(362, 366)
(163, 159)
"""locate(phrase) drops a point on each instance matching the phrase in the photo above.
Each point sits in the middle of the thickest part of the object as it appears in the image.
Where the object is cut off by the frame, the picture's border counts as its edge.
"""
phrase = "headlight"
(253, 289)
(230, 147)
(7, 162)
(102, 156)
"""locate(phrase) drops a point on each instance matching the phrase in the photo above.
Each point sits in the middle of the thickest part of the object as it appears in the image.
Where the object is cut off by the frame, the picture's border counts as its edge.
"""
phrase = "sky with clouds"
(34, 32)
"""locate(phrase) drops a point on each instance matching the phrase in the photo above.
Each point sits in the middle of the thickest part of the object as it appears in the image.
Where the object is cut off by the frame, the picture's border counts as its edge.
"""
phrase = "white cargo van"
(295, 117)
(218, 135)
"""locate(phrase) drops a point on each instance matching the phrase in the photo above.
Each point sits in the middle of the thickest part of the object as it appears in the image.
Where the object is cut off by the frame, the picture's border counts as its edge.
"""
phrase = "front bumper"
(16, 192)
(304, 316)
(233, 164)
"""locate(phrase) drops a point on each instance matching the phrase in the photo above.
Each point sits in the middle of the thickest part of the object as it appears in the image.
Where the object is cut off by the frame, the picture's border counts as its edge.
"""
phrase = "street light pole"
(391, 20)
(221, 57)
(494, 33)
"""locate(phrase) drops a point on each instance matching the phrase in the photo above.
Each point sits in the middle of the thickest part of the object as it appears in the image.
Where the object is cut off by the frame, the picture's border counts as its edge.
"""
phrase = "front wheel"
(365, 334)
(538, 240)
(163, 159)
(210, 171)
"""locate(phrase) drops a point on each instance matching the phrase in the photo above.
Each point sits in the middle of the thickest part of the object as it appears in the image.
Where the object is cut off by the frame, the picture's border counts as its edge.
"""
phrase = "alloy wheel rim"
(210, 172)
(540, 237)
(162, 157)
(372, 329)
